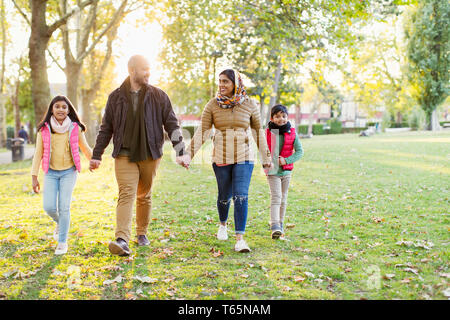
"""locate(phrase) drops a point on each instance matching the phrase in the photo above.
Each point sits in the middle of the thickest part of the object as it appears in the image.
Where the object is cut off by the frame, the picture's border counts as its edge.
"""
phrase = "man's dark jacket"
(159, 116)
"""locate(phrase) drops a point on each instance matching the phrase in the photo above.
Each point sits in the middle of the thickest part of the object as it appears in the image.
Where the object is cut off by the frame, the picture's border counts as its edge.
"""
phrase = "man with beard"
(136, 116)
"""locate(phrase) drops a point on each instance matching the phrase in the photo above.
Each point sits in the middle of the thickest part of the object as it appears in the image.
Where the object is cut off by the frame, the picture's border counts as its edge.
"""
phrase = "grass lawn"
(367, 218)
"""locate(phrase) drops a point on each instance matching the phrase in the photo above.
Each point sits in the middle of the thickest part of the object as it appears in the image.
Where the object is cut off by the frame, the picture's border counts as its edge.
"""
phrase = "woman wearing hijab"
(233, 114)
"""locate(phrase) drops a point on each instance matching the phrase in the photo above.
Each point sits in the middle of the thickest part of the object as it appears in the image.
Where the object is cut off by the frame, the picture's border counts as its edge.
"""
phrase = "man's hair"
(278, 108)
(134, 61)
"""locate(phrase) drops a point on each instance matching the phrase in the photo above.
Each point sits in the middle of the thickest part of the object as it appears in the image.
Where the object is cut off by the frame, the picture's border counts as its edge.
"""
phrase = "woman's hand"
(267, 167)
(35, 184)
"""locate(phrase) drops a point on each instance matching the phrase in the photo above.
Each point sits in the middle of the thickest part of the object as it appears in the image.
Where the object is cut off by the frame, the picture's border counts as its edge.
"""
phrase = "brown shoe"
(119, 247)
(142, 240)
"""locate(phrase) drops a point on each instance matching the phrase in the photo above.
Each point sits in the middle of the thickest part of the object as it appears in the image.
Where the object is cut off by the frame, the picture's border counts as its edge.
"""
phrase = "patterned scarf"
(239, 94)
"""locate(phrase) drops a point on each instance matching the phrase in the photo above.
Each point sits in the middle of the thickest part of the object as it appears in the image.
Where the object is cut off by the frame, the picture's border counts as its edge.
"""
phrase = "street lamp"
(215, 55)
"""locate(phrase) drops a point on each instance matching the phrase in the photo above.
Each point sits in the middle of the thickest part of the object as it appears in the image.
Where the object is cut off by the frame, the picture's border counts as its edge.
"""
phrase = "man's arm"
(170, 123)
(105, 133)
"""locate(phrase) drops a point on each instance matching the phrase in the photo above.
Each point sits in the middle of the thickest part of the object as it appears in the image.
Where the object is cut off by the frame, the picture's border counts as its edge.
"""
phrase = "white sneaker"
(61, 248)
(56, 232)
(241, 246)
(222, 233)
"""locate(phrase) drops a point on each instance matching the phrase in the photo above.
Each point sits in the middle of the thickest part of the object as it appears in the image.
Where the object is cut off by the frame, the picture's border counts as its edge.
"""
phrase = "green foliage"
(417, 119)
(302, 129)
(429, 53)
(335, 126)
(317, 129)
(10, 132)
(353, 129)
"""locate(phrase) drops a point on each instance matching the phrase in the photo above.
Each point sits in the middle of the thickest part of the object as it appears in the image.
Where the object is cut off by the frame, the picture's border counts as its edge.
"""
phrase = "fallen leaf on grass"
(309, 274)
(446, 292)
(406, 280)
(215, 253)
(117, 279)
(377, 219)
(299, 279)
(130, 296)
(170, 279)
(388, 276)
(145, 279)
(411, 270)
(347, 270)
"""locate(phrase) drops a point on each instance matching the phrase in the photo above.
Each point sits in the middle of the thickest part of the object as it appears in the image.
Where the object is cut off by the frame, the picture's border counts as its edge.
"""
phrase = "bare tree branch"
(112, 22)
(21, 12)
(63, 20)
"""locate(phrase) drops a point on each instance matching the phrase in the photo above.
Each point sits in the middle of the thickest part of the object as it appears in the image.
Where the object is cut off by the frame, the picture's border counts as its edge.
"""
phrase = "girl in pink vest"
(282, 141)
(60, 133)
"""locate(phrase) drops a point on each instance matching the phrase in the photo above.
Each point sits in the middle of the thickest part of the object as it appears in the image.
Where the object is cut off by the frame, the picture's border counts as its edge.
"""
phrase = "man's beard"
(140, 80)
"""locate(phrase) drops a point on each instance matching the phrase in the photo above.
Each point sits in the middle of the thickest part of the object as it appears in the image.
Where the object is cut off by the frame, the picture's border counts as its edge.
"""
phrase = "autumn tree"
(429, 56)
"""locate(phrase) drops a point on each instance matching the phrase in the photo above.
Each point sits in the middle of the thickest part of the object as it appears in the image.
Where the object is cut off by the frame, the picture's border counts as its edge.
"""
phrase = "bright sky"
(132, 39)
(143, 39)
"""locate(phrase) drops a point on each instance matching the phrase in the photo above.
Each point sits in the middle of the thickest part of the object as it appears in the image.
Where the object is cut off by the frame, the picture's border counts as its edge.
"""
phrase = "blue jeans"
(233, 181)
(58, 188)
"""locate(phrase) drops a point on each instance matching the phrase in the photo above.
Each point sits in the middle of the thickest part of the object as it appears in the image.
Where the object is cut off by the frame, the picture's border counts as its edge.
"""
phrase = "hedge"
(353, 130)
(335, 126)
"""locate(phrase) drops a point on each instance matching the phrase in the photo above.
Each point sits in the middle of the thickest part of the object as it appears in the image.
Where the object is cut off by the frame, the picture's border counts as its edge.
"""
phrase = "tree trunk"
(298, 115)
(274, 96)
(39, 38)
(73, 72)
(31, 138)
(263, 106)
(2, 120)
(15, 103)
(87, 98)
(435, 121)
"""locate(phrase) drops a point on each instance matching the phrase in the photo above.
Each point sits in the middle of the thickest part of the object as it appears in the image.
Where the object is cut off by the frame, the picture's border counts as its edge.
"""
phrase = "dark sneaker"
(119, 247)
(276, 234)
(276, 230)
(142, 240)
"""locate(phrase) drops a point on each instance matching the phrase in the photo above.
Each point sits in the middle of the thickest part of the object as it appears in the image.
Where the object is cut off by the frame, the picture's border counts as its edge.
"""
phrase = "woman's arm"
(199, 137)
(259, 136)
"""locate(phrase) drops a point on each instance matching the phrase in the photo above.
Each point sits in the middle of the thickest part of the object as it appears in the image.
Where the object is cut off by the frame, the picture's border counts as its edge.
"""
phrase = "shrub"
(354, 130)
(335, 126)
(9, 132)
(317, 129)
(417, 119)
(302, 129)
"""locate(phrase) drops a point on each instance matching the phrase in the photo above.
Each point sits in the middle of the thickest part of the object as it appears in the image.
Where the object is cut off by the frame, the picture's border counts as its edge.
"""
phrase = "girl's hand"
(282, 161)
(267, 168)
(35, 184)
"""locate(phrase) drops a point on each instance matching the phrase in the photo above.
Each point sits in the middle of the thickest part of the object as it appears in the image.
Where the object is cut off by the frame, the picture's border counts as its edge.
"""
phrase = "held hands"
(94, 164)
(35, 184)
(267, 168)
(184, 160)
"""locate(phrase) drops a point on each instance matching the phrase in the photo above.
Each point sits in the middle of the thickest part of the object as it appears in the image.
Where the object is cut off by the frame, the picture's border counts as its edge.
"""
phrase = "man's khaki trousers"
(135, 180)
